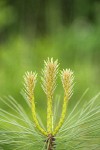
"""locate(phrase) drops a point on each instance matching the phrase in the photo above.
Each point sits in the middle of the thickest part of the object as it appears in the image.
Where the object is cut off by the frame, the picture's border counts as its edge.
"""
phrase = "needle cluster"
(79, 130)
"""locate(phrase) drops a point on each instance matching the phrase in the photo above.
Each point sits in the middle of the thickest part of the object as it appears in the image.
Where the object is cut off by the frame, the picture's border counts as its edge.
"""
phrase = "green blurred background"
(32, 30)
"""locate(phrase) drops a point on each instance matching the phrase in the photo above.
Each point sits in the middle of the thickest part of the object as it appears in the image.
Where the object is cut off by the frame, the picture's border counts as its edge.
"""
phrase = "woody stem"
(50, 143)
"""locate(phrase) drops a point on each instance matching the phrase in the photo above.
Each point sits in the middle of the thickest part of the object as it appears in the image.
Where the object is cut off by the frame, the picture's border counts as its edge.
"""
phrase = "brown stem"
(50, 142)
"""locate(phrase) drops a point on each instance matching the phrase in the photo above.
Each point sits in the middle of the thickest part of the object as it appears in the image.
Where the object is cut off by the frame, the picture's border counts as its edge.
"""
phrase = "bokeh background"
(32, 30)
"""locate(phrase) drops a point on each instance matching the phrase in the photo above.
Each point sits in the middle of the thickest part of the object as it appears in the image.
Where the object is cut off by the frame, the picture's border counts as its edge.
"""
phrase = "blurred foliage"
(31, 31)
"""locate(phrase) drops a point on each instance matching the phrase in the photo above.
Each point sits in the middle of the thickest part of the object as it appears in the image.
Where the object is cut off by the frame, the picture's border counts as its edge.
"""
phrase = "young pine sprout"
(30, 81)
(49, 75)
(78, 130)
(67, 82)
